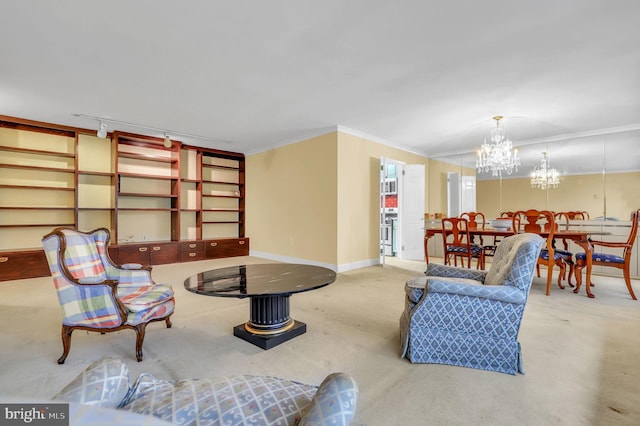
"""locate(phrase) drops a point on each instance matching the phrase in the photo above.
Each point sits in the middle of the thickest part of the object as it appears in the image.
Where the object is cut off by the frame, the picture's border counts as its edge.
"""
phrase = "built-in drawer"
(148, 254)
(16, 265)
(164, 253)
(227, 247)
(192, 250)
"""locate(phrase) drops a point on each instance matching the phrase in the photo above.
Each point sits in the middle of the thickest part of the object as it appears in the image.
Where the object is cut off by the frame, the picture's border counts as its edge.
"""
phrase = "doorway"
(402, 194)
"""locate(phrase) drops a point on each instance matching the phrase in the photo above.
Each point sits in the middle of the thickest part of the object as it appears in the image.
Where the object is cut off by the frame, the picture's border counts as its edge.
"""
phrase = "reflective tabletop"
(259, 280)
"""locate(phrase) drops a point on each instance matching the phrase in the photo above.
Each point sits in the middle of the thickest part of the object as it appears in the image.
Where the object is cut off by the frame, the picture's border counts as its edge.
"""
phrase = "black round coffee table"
(269, 286)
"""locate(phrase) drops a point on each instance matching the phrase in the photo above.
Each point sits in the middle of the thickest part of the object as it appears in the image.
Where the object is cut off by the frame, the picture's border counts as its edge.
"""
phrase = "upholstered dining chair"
(97, 295)
(471, 318)
(457, 243)
(619, 255)
(476, 220)
(539, 222)
(562, 223)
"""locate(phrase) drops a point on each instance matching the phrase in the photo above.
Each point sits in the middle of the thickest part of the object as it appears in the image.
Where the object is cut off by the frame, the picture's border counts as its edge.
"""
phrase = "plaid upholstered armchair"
(471, 318)
(97, 295)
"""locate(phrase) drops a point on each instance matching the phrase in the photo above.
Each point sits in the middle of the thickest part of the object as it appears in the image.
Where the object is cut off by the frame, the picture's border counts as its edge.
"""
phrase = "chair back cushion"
(91, 306)
(81, 256)
(515, 260)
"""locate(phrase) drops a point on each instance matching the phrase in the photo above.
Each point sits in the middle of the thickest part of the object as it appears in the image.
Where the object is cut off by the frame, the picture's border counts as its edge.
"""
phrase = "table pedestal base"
(268, 341)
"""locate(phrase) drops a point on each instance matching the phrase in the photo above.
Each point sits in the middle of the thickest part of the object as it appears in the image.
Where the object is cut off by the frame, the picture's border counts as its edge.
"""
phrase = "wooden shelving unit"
(162, 205)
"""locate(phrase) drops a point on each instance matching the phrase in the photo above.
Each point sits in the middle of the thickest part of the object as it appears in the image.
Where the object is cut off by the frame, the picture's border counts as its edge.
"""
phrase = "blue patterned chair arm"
(438, 270)
(334, 402)
(505, 294)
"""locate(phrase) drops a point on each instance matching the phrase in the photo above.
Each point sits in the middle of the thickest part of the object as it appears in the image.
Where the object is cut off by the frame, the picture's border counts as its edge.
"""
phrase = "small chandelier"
(544, 176)
(499, 156)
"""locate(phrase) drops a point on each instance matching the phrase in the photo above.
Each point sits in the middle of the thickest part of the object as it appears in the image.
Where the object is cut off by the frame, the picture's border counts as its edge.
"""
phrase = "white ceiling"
(423, 75)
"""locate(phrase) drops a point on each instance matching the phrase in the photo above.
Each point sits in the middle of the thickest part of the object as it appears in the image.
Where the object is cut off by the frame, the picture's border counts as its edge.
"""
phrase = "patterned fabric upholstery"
(86, 257)
(471, 318)
(601, 257)
(457, 249)
(544, 254)
(97, 295)
(104, 383)
(233, 400)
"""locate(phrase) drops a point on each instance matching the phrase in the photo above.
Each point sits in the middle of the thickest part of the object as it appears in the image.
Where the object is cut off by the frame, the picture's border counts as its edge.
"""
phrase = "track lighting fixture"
(102, 130)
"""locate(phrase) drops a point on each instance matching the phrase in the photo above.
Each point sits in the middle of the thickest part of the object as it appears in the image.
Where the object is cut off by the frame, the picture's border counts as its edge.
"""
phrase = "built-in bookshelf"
(161, 204)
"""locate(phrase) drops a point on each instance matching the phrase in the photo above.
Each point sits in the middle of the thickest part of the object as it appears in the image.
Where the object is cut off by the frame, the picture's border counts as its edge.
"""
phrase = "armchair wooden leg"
(140, 330)
(168, 322)
(66, 343)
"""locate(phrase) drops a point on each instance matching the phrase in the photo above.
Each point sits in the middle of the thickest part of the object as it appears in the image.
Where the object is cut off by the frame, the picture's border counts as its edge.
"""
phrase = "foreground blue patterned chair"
(233, 400)
(97, 295)
(470, 318)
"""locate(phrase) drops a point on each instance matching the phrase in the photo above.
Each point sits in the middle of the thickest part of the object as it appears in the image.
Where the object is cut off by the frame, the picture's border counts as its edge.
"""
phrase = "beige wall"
(358, 192)
(291, 200)
(580, 192)
(317, 199)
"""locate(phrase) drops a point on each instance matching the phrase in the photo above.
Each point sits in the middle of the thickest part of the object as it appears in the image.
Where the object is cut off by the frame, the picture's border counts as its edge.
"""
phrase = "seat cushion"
(142, 298)
(475, 249)
(544, 254)
(601, 257)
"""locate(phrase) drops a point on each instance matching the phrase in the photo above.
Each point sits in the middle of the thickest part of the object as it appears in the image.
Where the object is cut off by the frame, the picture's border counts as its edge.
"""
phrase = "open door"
(411, 212)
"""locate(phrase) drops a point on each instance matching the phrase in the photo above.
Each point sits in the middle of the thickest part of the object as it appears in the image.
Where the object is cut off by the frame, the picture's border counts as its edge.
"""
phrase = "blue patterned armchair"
(470, 318)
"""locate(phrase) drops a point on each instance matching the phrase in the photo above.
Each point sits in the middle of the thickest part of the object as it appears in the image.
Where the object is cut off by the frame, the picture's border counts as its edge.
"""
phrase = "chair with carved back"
(562, 223)
(457, 243)
(619, 255)
(477, 220)
(97, 295)
(533, 221)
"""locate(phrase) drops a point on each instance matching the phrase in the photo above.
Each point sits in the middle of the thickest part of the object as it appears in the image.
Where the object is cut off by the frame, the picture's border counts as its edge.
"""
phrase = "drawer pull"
(214, 244)
(3, 259)
(192, 245)
(142, 248)
(156, 248)
(192, 254)
(241, 242)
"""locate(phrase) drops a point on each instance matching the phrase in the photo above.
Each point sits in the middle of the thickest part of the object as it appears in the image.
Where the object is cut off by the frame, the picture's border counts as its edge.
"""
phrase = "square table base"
(266, 341)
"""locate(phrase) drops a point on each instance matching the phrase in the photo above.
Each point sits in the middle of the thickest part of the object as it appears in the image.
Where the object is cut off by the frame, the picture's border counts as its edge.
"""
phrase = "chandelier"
(499, 156)
(544, 176)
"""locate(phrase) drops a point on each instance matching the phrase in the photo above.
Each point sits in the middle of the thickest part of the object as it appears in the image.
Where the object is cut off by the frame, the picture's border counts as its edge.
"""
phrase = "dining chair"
(457, 243)
(618, 261)
(542, 222)
(562, 223)
(477, 220)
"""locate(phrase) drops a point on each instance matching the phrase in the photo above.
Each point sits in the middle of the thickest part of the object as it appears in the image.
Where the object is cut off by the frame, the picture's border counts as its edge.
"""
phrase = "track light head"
(167, 141)
(102, 130)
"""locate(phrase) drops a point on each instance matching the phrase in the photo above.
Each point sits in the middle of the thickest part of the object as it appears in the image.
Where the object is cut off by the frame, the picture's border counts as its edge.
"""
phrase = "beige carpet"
(581, 356)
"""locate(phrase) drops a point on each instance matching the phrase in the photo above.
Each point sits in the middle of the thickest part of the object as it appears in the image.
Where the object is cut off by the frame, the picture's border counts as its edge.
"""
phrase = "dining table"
(581, 238)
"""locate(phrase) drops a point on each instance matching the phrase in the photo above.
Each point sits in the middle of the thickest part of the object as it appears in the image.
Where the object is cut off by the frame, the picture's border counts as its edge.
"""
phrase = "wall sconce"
(167, 141)
(102, 130)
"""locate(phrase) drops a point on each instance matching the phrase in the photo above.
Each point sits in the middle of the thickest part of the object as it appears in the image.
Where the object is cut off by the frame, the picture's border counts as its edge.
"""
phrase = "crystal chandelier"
(499, 156)
(544, 176)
